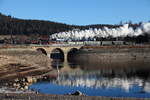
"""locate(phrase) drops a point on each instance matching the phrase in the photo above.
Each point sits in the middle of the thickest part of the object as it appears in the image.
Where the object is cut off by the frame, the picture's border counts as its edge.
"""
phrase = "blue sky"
(79, 12)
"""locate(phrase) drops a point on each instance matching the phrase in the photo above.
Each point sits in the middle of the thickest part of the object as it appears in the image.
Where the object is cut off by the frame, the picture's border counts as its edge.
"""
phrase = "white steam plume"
(121, 31)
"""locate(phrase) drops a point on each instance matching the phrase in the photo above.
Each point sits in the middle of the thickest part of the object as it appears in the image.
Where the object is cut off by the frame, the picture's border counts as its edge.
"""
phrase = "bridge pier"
(49, 55)
(65, 57)
(65, 60)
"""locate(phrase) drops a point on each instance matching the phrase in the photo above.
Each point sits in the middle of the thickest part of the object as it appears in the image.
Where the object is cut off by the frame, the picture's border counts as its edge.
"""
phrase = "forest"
(12, 25)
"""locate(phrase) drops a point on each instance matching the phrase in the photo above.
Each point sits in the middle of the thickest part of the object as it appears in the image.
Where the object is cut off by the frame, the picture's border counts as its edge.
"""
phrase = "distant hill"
(11, 25)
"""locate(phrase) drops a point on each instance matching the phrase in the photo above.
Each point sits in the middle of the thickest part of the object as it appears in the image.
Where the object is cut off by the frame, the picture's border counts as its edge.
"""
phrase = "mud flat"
(113, 57)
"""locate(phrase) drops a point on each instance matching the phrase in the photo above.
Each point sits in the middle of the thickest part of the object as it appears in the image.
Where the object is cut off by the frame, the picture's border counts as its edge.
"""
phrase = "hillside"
(10, 25)
(15, 26)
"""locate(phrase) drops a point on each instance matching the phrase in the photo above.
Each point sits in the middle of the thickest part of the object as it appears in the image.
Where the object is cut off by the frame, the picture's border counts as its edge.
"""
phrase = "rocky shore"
(34, 96)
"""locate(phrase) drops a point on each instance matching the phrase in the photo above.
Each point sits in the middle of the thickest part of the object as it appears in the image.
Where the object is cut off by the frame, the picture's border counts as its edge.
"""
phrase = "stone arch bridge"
(64, 51)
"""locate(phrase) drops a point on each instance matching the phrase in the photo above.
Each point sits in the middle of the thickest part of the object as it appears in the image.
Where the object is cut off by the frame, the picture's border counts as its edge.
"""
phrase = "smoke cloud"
(122, 31)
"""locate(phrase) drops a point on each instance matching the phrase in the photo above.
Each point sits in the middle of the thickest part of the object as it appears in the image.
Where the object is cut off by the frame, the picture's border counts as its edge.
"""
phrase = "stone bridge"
(63, 51)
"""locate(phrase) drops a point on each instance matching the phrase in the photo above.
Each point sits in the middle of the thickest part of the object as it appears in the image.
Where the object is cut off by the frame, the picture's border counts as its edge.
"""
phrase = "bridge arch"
(42, 51)
(63, 53)
(57, 53)
(71, 53)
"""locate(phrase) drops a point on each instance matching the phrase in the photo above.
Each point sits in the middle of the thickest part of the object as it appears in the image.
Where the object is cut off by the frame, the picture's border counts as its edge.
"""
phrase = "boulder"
(78, 93)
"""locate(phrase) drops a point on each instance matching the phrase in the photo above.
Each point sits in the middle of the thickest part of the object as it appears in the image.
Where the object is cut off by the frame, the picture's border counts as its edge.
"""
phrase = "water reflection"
(95, 80)
(95, 61)
(94, 76)
(93, 84)
(57, 64)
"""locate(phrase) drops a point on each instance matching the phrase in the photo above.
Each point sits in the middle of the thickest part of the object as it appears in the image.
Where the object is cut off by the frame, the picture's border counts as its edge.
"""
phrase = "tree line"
(15, 26)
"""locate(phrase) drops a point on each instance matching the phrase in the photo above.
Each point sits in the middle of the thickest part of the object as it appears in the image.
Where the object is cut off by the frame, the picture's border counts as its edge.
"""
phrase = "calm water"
(95, 79)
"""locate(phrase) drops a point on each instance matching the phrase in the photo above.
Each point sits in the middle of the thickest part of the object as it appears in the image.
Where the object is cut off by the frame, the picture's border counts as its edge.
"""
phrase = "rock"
(21, 88)
(27, 83)
(16, 85)
(78, 93)
(23, 80)
(6, 84)
(16, 80)
(25, 87)
(24, 83)
(29, 79)
(34, 80)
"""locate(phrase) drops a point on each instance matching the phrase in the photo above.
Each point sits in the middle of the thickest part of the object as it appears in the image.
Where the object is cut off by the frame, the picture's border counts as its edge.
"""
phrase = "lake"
(93, 77)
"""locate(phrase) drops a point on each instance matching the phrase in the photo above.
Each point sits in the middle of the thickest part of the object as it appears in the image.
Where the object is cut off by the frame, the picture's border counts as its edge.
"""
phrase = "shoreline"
(35, 96)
